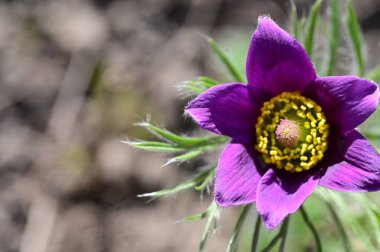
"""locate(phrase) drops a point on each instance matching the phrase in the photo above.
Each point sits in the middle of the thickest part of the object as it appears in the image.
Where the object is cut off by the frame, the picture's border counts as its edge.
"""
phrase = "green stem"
(231, 244)
(272, 242)
(281, 234)
(256, 234)
(346, 242)
(312, 228)
(284, 233)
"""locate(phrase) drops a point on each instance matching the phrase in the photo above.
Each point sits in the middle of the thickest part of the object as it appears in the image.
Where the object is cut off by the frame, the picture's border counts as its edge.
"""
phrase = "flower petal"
(359, 169)
(276, 62)
(282, 193)
(227, 109)
(237, 176)
(347, 100)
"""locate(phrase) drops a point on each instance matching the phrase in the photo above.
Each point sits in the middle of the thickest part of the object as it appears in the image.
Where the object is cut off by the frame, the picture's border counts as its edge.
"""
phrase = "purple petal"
(359, 169)
(276, 61)
(227, 109)
(347, 100)
(237, 176)
(282, 193)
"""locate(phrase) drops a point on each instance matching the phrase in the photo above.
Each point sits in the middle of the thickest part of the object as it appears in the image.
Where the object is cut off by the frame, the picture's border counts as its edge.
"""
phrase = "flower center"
(288, 133)
(292, 132)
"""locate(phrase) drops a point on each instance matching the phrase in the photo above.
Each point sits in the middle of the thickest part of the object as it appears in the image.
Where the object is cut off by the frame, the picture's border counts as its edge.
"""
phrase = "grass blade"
(312, 22)
(334, 37)
(225, 60)
(356, 38)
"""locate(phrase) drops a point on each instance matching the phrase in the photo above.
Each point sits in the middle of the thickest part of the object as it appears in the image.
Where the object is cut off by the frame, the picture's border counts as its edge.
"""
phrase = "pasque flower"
(290, 130)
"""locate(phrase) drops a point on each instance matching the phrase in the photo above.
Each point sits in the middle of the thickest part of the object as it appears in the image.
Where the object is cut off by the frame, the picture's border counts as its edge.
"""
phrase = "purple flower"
(291, 130)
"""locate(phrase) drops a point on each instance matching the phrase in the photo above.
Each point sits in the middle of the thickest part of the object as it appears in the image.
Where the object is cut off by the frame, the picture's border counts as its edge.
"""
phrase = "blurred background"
(75, 75)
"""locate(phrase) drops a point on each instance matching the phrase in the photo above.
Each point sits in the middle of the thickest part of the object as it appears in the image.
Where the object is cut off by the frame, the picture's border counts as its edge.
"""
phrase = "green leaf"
(199, 216)
(334, 37)
(294, 20)
(312, 229)
(198, 86)
(225, 60)
(356, 220)
(213, 214)
(181, 187)
(374, 75)
(312, 21)
(207, 180)
(195, 217)
(154, 146)
(356, 38)
(232, 242)
(211, 82)
(182, 141)
(371, 209)
(187, 156)
(346, 241)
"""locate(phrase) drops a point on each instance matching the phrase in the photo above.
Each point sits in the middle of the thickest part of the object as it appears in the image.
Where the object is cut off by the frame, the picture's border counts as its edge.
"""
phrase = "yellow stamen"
(308, 150)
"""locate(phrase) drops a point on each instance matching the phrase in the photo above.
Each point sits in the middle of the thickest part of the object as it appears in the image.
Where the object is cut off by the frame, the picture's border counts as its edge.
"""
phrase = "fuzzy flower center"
(288, 133)
(292, 132)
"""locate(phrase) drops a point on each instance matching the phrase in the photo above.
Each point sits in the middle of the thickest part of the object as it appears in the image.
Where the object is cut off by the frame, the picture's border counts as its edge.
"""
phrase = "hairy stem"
(284, 233)
(256, 234)
(312, 229)
(281, 234)
(346, 242)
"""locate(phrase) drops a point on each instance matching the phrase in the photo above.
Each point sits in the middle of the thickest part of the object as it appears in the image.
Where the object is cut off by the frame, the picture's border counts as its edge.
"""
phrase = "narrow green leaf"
(209, 80)
(371, 210)
(207, 180)
(280, 234)
(182, 141)
(195, 217)
(334, 37)
(272, 243)
(198, 86)
(356, 37)
(199, 216)
(187, 156)
(284, 234)
(354, 220)
(374, 75)
(312, 21)
(181, 187)
(155, 146)
(192, 88)
(346, 241)
(256, 233)
(294, 20)
(210, 225)
(232, 242)
(312, 229)
(225, 60)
